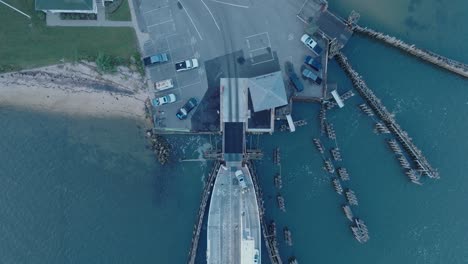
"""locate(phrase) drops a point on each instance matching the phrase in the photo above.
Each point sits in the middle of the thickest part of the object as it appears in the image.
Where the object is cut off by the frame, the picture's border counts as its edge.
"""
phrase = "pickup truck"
(157, 58)
(311, 44)
(293, 77)
(310, 75)
(315, 63)
(186, 65)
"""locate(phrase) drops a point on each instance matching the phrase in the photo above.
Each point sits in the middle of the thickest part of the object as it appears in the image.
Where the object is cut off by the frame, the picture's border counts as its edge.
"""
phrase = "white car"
(240, 178)
(311, 44)
(167, 99)
(186, 65)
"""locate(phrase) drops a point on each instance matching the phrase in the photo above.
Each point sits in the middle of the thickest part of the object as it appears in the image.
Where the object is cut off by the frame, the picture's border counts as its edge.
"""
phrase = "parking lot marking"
(191, 20)
(164, 22)
(211, 15)
(262, 48)
(161, 7)
(221, 2)
(258, 34)
(263, 62)
(195, 83)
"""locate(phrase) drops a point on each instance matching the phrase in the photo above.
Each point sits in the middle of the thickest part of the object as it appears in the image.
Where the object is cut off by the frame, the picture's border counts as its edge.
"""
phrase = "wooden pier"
(431, 57)
(270, 238)
(387, 118)
(201, 212)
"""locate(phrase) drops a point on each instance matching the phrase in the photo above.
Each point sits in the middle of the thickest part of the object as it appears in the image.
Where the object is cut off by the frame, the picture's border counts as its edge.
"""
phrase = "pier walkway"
(201, 212)
(436, 59)
(387, 118)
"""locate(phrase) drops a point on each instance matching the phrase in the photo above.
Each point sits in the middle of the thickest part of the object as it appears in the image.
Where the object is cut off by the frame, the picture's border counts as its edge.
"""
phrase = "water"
(88, 191)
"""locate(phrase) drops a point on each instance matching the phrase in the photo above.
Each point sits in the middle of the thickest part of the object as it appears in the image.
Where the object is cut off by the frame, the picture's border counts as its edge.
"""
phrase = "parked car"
(186, 65)
(310, 75)
(157, 58)
(311, 44)
(167, 99)
(163, 85)
(256, 256)
(293, 77)
(240, 178)
(315, 63)
(185, 110)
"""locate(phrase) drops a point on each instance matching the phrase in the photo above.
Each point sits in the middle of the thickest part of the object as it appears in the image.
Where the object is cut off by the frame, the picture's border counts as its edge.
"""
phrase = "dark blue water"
(88, 191)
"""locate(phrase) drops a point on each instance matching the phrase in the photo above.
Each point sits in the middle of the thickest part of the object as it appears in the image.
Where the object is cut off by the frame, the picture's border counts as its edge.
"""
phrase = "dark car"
(185, 110)
(315, 63)
(293, 77)
(157, 58)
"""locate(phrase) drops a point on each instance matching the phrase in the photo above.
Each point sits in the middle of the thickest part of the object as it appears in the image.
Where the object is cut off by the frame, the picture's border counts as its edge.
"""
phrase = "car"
(163, 85)
(315, 63)
(167, 99)
(185, 110)
(311, 44)
(186, 65)
(155, 59)
(293, 77)
(240, 178)
(310, 75)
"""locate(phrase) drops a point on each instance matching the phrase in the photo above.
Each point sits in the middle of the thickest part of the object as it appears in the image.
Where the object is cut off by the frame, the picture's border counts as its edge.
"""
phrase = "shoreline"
(76, 89)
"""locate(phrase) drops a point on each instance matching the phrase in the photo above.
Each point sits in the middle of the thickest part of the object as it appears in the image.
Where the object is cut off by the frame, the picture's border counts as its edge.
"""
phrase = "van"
(163, 85)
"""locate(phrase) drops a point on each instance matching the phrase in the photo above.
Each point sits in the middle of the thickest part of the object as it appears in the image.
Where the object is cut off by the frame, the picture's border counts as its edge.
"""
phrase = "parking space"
(148, 6)
(158, 16)
(258, 48)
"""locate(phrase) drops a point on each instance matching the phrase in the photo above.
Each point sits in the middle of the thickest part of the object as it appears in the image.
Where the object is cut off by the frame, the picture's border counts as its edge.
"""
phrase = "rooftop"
(267, 91)
(65, 5)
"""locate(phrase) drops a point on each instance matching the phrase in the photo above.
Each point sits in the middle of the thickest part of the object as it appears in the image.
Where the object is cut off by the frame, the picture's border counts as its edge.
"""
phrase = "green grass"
(122, 13)
(28, 43)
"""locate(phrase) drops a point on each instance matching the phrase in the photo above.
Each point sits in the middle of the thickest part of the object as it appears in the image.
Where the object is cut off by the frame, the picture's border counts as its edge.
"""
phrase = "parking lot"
(263, 33)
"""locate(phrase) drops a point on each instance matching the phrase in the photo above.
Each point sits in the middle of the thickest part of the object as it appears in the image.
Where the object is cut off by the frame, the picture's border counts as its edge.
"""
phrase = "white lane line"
(254, 35)
(154, 9)
(191, 20)
(211, 15)
(262, 62)
(16, 9)
(262, 48)
(192, 84)
(221, 2)
(164, 22)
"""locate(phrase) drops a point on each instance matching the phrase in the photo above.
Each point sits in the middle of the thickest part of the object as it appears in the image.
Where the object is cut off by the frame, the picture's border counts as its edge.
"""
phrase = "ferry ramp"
(233, 221)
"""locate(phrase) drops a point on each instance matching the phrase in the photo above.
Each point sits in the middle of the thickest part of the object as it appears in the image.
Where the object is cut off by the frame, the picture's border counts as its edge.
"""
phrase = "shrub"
(106, 63)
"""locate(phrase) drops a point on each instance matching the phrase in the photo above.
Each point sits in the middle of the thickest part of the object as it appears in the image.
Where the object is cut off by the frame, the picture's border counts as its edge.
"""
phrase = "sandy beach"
(76, 89)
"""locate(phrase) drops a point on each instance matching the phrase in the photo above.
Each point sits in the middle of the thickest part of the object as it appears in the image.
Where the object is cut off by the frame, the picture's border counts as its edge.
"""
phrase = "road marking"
(221, 2)
(211, 15)
(262, 48)
(161, 7)
(16, 9)
(191, 20)
(254, 35)
(164, 22)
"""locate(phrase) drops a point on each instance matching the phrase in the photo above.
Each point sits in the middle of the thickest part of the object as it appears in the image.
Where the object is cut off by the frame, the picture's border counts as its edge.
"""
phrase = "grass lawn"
(28, 43)
(122, 13)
